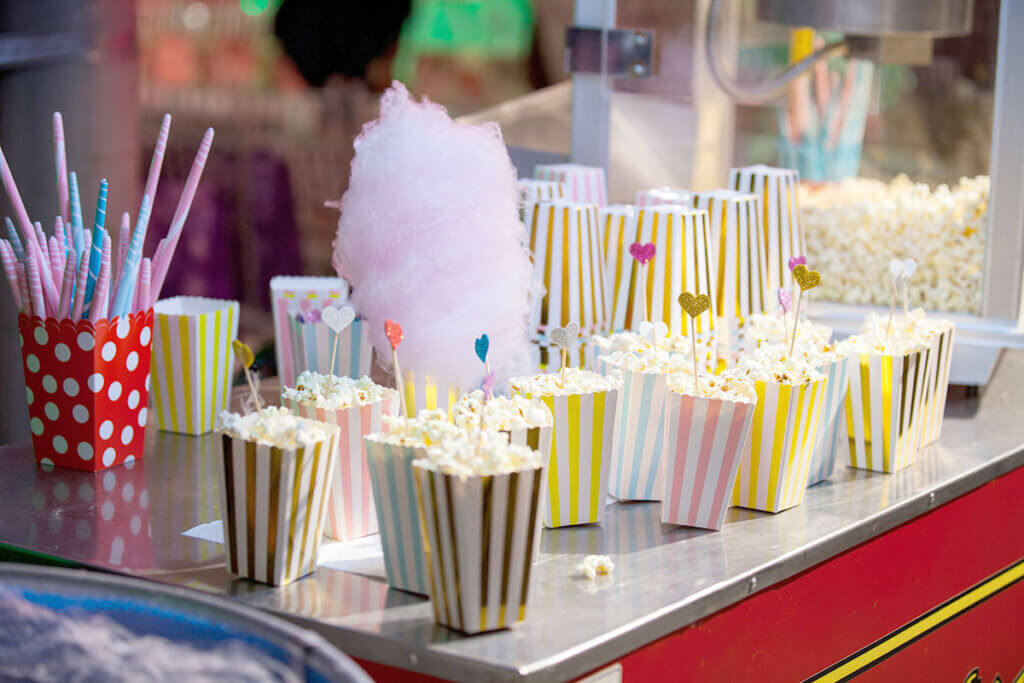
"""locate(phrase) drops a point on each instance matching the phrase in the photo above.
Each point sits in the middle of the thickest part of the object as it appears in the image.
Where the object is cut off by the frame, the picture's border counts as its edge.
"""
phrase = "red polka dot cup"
(87, 388)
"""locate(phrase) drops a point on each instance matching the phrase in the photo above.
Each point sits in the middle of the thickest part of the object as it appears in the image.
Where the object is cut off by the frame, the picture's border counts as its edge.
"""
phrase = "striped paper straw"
(61, 165)
(56, 258)
(77, 231)
(480, 544)
(12, 233)
(275, 504)
(582, 183)
(67, 285)
(145, 278)
(638, 442)
(123, 236)
(58, 230)
(350, 511)
(157, 162)
(83, 274)
(49, 288)
(97, 243)
(42, 245)
(826, 453)
(99, 302)
(125, 293)
(35, 287)
(11, 270)
(26, 298)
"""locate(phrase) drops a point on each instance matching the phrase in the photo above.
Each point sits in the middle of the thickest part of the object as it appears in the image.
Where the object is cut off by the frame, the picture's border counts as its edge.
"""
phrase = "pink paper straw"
(58, 230)
(64, 309)
(181, 213)
(123, 235)
(99, 296)
(26, 300)
(145, 279)
(56, 260)
(35, 286)
(61, 161)
(158, 158)
(83, 275)
(11, 269)
(44, 250)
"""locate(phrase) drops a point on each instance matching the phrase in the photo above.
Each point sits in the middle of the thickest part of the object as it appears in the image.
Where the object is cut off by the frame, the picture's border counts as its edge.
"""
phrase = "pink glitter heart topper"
(785, 299)
(642, 252)
(795, 261)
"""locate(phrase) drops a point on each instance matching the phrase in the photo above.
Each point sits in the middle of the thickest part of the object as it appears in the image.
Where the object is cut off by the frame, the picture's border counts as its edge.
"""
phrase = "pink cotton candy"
(430, 237)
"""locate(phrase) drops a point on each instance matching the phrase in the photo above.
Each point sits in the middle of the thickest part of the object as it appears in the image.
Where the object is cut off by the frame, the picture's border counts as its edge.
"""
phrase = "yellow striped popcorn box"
(192, 361)
(298, 294)
(582, 183)
(532, 190)
(774, 469)
(568, 259)
(312, 344)
(426, 392)
(779, 216)
(350, 511)
(618, 231)
(479, 533)
(935, 398)
(885, 408)
(657, 196)
(275, 506)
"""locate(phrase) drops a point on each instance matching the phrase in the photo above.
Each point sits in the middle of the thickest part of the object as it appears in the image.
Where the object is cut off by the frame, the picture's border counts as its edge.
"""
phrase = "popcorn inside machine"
(900, 117)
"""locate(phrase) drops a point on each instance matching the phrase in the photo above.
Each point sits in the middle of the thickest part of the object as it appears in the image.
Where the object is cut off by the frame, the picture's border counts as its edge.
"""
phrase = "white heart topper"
(563, 337)
(902, 269)
(659, 328)
(338, 318)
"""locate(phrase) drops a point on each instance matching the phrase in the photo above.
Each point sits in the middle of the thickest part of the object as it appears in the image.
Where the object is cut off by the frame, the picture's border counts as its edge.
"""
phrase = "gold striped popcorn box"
(299, 294)
(350, 512)
(657, 196)
(779, 216)
(684, 262)
(568, 259)
(537, 439)
(618, 231)
(312, 344)
(705, 440)
(532, 190)
(736, 243)
(426, 392)
(638, 441)
(275, 505)
(479, 537)
(885, 409)
(938, 388)
(192, 362)
(394, 499)
(773, 471)
(828, 444)
(577, 472)
(582, 183)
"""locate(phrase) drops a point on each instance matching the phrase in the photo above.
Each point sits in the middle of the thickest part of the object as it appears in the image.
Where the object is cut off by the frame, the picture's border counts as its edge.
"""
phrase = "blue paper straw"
(122, 302)
(15, 240)
(76, 215)
(97, 245)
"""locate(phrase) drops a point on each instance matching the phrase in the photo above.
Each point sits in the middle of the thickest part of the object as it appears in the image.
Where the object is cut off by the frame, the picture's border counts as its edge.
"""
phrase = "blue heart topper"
(483, 344)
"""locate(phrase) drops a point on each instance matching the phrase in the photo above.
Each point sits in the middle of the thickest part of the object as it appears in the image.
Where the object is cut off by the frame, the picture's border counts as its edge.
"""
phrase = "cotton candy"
(430, 237)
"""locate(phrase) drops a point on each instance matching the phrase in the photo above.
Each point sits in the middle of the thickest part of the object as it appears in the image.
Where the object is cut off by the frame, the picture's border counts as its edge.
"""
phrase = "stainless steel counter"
(131, 521)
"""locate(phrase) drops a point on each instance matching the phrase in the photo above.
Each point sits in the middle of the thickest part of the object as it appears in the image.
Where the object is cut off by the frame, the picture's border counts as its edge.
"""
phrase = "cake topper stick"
(393, 331)
(902, 271)
(562, 337)
(337, 319)
(694, 306)
(482, 345)
(806, 279)
(642, 253)
(247, 357)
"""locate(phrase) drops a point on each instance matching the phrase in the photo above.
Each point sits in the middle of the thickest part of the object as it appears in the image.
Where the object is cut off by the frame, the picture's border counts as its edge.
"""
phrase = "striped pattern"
(479, 540)
(738, 249)
(426, 393)
(657, 196)
(773, 471)
(293, 294)
(537, 439)
(705, 439)
(827, 444)
(313, 342)
(394, 498)
(638, 442)
(531, 190)
(580, 454)
(779, 216)
(885, 409)
(192, 362)
(935, 400)
(350, 512)
(582, 183)
(618, 231)
(275, 504)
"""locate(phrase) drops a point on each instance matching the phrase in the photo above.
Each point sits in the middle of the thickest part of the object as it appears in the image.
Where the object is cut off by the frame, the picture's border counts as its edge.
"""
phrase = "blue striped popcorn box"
(827, 447)
(312, 344)
(637, 469)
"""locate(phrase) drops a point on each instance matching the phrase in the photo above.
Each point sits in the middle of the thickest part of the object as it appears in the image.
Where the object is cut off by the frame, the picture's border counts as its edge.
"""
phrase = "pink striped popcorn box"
(705, 440)
(350, 507)
(297, 294)
(582, 183)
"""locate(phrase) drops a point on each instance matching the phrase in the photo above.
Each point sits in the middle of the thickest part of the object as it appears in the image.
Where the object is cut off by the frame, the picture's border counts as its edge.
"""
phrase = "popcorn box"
(565, 242)
(638, 441)
(935, 398)
(684, 262)
(275, 505)
(537, 439)
(192, 361)
(87, 388)
(885, 409)
(479, 537)
(394, 499)
(774, 468)
(296, 294)
(582, 183)
(705, 440)
(531, 190)
(350, 512)
(577, 469)
(312, 344)
(826, 453)
(779, 214)
(618, 231)
(656, 196)
(424, 392)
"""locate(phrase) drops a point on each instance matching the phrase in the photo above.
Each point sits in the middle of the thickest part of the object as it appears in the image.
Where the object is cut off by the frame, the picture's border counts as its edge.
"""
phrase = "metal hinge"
(627, 51)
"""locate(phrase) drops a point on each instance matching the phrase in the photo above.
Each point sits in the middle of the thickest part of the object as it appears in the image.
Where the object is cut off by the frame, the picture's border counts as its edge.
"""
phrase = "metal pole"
(592, 93)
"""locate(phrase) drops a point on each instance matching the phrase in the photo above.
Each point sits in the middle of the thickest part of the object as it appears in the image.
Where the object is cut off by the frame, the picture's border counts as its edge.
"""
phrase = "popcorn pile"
(331, 392)
(658, 361)
(853, 228)
(731, 385)
(500, 413)
(274, 427)
(910, 331)
(482, 455)
(576, 382)
(772, 363)
(428, 428)
(762, 328)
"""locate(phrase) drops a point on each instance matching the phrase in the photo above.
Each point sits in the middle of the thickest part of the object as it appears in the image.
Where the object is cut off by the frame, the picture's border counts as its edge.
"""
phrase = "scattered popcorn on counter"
(331, 392)
(593, 566)
(274, 427)
(483, 454)
(501, 412)
(853, 228)
(428, 428)
(576, 382)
